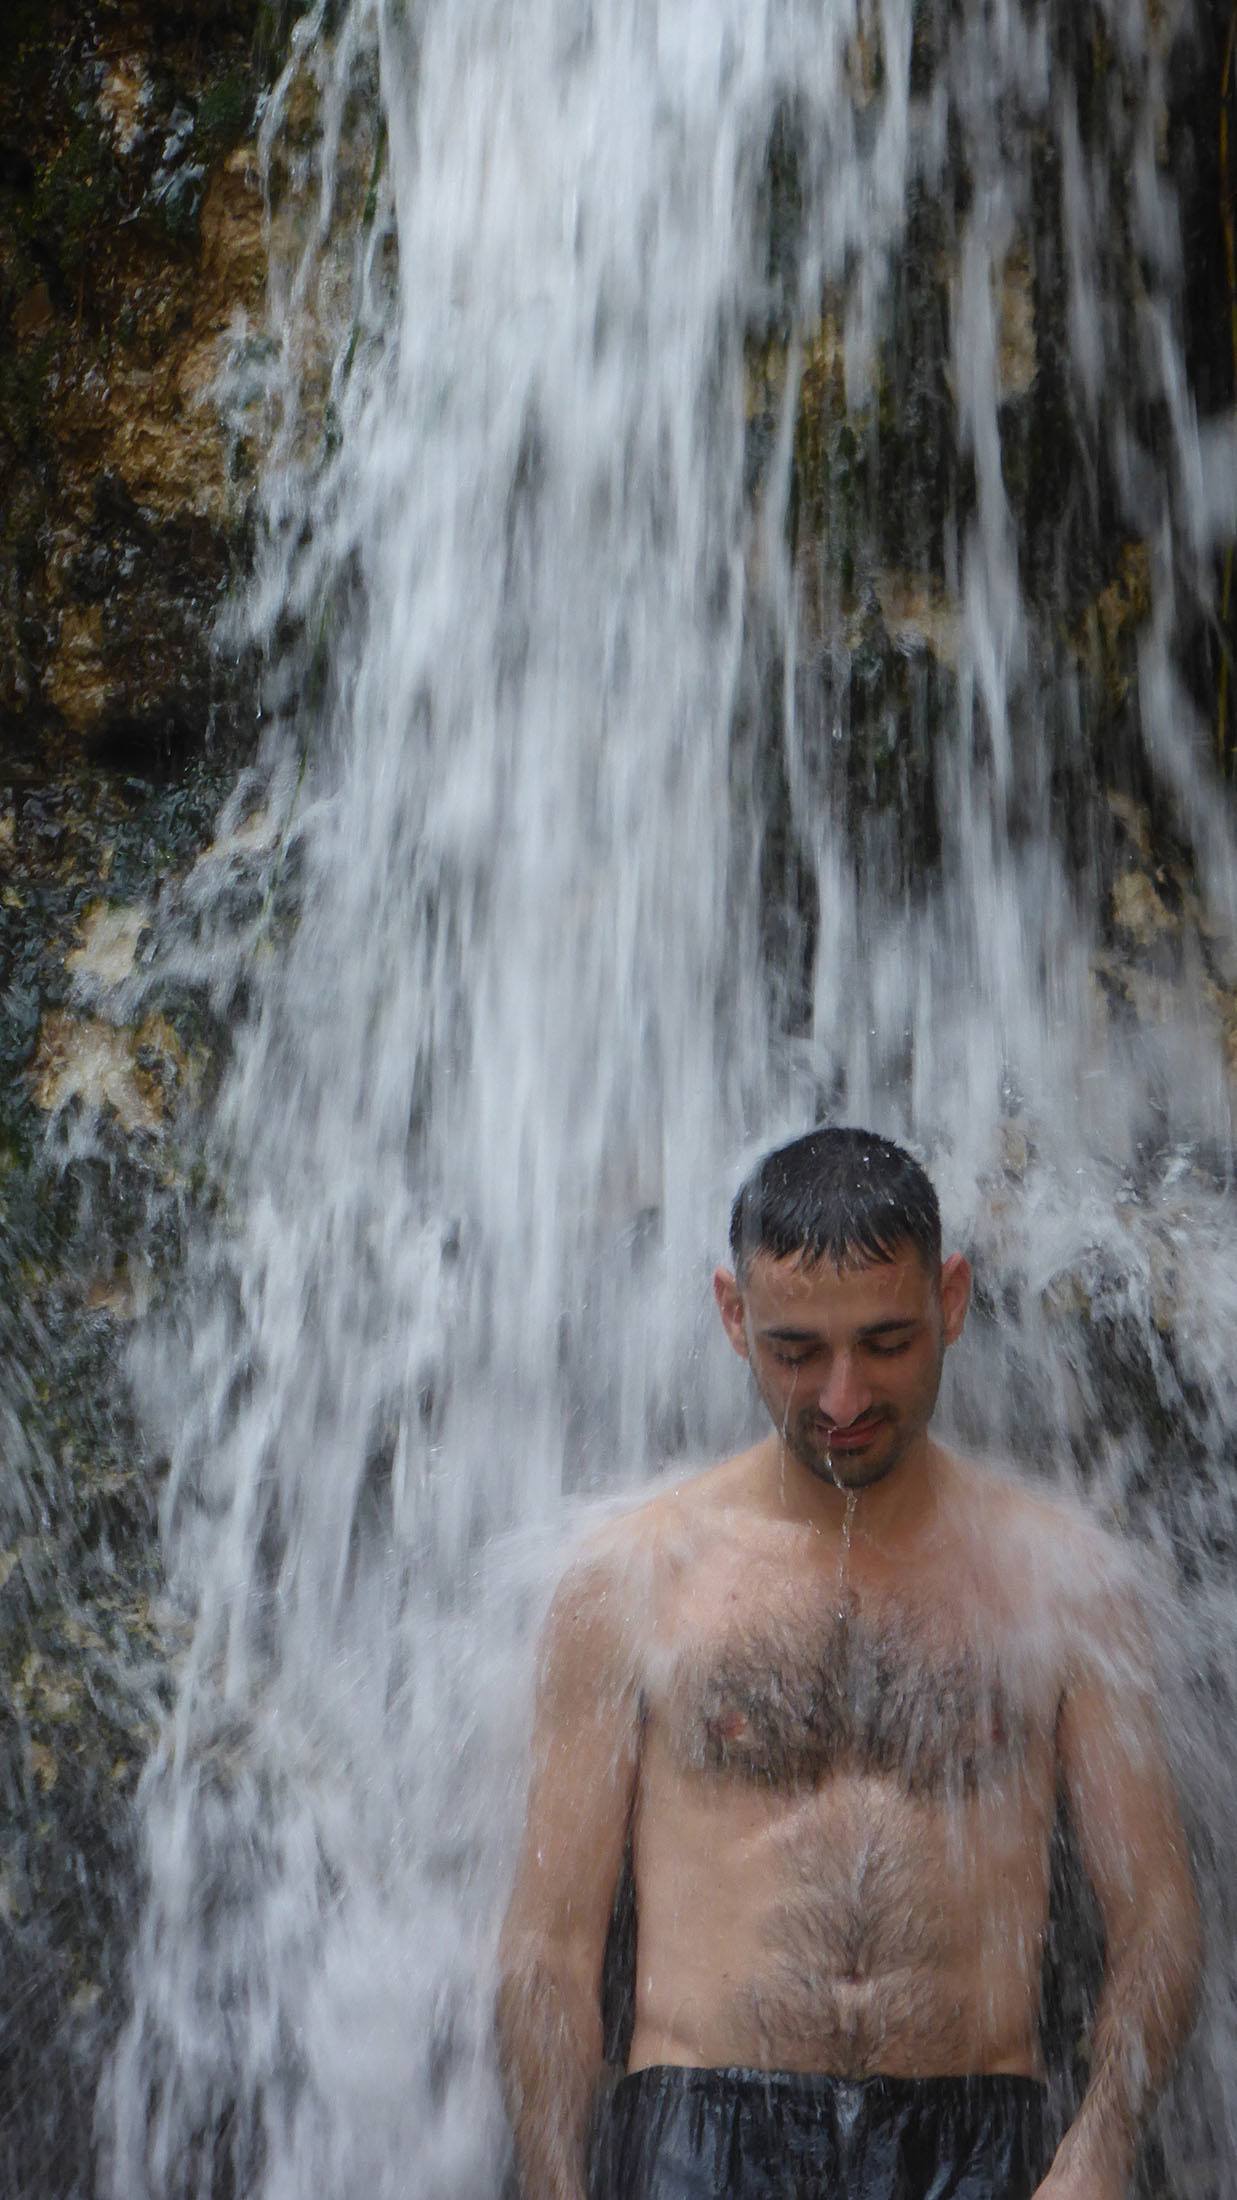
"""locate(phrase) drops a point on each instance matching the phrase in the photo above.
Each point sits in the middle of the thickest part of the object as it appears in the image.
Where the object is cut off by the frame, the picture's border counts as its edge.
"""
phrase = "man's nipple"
(731, 1725)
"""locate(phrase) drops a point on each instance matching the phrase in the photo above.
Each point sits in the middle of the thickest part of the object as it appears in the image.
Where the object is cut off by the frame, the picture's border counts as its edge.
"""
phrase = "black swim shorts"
(674, 2134)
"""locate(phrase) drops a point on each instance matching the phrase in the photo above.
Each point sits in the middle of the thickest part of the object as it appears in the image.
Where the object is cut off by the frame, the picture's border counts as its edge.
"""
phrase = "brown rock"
(1140, 911)
(915, 611)
(108, 946)
(78, 683)
(124, 97)
(1017, 352)
(34, 315)
(98, 1066)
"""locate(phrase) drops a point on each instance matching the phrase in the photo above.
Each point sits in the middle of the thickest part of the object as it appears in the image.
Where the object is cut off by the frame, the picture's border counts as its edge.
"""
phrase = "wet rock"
(110, 938)
(127, 253)
(883, 496)
(93, 1068)
(1017, 351)
(94, 1088)
(1140, 911)
(920, 616)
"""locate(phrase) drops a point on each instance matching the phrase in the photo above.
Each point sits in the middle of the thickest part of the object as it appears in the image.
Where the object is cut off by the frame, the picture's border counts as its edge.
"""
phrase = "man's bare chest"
(810, 1684)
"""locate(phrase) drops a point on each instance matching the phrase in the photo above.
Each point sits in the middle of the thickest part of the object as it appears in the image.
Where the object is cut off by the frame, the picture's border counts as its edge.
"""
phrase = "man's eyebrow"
(895, 1321)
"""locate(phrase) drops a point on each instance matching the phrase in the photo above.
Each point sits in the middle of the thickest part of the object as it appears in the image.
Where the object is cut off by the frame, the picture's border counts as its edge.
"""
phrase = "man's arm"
(1134, 1850)
(585, 1746)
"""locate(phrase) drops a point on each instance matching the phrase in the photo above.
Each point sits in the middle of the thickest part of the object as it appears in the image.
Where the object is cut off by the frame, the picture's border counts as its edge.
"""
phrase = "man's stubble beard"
(813, 1456)
(816, 1459)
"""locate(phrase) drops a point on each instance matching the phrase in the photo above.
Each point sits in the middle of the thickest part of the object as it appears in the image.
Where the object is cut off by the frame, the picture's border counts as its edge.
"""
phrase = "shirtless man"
(829, 1692)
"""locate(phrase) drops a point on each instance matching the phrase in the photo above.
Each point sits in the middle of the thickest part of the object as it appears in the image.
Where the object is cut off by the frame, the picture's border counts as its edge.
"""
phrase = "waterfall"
(694, 438)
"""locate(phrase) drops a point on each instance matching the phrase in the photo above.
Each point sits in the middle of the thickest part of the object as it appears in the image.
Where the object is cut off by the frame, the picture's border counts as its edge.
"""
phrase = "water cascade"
(736, 537)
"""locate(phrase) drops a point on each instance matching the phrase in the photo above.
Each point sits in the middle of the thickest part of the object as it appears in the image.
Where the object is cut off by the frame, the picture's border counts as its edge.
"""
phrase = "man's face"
(847, 1360)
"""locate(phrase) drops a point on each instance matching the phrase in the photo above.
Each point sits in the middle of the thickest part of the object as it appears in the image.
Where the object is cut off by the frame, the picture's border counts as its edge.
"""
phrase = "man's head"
(840, 1301)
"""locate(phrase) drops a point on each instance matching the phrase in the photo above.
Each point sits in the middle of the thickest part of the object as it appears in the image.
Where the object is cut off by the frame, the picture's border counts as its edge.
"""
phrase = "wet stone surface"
(94, 1189)
(130, 248)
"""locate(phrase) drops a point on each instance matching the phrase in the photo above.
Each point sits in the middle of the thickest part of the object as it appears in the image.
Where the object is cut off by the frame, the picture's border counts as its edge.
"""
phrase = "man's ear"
(730, 1306)
(955, 1295)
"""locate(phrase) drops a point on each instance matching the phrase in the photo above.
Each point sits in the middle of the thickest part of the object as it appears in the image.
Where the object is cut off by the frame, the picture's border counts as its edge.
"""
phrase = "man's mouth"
(853, 1437)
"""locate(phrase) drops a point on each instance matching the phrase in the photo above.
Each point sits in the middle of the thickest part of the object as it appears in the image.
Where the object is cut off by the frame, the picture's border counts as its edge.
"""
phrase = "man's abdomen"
(850, 1929)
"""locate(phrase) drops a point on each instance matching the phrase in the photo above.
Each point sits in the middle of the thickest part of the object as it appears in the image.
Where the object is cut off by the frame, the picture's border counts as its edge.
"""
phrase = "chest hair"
(850, 1690)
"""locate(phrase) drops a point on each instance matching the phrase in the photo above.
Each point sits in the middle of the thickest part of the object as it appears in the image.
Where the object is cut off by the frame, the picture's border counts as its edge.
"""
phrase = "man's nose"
(844, 1395)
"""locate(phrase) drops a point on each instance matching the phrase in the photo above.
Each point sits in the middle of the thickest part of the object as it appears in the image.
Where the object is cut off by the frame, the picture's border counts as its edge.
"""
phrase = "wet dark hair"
(837, 1195)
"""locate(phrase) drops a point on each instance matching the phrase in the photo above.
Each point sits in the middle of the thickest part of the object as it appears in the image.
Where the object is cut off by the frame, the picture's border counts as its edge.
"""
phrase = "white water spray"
(517, 1009)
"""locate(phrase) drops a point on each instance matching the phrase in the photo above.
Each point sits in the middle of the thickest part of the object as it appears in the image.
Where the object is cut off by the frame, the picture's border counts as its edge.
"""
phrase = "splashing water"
(641, 783)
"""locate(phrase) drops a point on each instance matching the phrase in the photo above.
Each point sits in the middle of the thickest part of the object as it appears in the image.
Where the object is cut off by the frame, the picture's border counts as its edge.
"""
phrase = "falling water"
(591, 848)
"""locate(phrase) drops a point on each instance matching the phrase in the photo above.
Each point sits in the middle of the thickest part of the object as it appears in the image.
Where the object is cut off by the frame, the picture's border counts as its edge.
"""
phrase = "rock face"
(93, 1194)
(881, 498)
(130, 242)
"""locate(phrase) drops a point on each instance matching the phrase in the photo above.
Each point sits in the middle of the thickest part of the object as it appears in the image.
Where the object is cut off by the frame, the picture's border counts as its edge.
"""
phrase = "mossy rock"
(75, 195)
(225, 113)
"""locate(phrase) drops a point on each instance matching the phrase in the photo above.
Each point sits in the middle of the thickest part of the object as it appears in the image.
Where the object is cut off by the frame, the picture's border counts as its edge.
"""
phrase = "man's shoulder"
(659, 1533)
(1036, 1511)
(1049, 1542)
(679, 1502)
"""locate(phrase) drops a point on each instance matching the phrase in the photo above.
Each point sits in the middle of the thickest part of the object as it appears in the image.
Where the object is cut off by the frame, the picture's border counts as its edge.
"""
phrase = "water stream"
(593, 845)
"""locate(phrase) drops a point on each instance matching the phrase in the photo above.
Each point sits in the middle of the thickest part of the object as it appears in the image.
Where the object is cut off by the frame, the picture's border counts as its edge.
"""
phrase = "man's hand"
(1068, 2184)
(1073, 2177)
